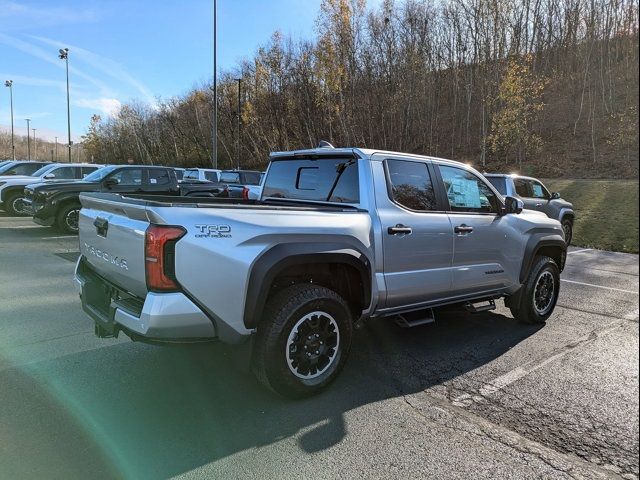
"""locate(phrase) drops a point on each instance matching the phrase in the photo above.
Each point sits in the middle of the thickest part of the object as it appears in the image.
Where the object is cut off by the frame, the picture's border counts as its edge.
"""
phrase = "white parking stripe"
(578, 251)
(598, 286)
(499, 383)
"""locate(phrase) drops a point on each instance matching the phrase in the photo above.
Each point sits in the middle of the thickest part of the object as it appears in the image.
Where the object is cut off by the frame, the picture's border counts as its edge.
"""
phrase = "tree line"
(542, 86)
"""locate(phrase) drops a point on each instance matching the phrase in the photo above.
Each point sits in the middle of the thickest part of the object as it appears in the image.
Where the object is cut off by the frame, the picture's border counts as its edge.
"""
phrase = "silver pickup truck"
(337, 237)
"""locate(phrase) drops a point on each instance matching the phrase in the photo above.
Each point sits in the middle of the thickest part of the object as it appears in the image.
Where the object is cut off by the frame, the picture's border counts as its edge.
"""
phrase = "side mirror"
(49, 176)
(513, 205)
(555, 195)
(110, 182)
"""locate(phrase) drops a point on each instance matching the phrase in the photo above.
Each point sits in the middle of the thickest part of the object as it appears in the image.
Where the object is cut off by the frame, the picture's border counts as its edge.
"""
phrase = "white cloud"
(106, 106)
(17, 15)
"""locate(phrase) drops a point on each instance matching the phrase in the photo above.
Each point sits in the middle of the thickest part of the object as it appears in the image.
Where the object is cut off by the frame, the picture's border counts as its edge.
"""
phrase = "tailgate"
(112, 236)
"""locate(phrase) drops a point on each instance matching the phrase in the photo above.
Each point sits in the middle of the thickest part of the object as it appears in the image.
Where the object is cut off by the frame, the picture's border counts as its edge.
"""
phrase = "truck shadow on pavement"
(165, 411)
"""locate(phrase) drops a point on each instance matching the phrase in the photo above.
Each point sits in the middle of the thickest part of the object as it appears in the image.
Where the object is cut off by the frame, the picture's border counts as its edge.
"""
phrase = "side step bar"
(415, 319)
(478, 307)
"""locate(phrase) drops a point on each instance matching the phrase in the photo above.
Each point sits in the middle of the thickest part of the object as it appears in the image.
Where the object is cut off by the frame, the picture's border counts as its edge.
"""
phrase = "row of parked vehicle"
(50, 191)
(336, 236)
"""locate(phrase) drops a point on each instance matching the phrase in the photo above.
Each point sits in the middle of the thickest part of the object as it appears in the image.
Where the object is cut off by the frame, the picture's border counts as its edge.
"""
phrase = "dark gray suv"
(536, 197)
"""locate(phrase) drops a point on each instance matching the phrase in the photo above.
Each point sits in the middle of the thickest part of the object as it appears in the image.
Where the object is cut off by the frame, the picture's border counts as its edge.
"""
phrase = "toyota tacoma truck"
(57, 204)
(338, 236)
(536, 197)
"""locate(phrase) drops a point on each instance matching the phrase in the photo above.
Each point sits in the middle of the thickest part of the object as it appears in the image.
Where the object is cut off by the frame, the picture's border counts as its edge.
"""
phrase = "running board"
(415, 319)
(478, 307)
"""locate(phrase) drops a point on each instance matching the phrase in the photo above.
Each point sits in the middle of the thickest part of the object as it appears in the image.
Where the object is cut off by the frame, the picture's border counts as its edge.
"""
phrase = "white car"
(12, 187)
(202, 174)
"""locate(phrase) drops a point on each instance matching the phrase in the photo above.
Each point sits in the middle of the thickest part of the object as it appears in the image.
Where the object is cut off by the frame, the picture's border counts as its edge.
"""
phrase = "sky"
(123, 50)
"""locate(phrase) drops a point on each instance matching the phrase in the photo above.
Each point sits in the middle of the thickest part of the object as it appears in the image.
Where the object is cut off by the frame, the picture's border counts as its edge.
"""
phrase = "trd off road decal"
(213, 231)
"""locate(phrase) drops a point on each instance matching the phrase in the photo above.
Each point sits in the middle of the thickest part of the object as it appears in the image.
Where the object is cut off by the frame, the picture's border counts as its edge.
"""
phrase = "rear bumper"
(159, 317)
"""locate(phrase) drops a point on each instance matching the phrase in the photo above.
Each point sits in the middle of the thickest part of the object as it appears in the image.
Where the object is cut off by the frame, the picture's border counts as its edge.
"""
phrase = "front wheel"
(68, 216)
(15, 205)
(303, 340)
(540, 292)
(567, 228)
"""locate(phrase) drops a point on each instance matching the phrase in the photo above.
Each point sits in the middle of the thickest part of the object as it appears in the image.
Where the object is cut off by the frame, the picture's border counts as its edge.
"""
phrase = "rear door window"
(410, 185)
(500, 183)
(211, 176)
(523, 187)
(158, 177)
(65, 173)
(326, 180)
(229, 177)
(87, 170)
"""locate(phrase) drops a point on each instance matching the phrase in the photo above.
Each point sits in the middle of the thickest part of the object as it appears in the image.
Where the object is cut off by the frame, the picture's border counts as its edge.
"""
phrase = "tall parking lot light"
(35, 144)
(28, 140)
(56, 148)
(9, 84)
(64, 55)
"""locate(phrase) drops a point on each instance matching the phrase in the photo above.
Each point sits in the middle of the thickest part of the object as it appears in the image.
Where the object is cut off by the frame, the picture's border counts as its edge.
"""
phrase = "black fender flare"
(8, 191)
(57, 201)
(538, 240)
(275, 260)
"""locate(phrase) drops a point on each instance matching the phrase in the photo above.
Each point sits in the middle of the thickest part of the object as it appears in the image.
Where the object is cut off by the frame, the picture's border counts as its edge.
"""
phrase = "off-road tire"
(62, 222)
(527, 312)
(283, 311)
(10, 202)
(567, 228)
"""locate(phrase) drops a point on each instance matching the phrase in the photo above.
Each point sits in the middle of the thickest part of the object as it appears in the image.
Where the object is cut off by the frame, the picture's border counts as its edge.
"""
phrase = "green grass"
(606, 212)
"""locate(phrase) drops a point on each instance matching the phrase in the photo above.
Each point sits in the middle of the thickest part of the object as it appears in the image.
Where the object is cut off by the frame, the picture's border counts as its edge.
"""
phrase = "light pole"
(9, 84)
(214, 160)
(28, 140)
(56, 148)
(238, 120)
(64, 55)
(35, 144)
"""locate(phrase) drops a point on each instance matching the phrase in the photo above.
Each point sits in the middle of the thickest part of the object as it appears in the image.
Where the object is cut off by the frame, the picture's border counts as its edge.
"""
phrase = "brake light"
(159, 256)
(245, 193)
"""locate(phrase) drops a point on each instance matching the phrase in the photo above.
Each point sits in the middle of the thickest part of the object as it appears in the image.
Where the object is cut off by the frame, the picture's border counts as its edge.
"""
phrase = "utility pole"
(238, 153)
(35, 144)
(214, 160)
(56, 149)
(28, 140)
(64, 55)
(9, 84)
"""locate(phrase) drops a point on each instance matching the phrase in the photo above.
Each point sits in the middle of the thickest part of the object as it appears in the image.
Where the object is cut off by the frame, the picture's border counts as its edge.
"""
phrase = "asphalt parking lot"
(471, 396)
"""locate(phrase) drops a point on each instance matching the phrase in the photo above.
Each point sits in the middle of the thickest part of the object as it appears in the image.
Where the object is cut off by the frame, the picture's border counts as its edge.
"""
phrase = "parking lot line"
(512, 376)
(578, 251)
(598, 286)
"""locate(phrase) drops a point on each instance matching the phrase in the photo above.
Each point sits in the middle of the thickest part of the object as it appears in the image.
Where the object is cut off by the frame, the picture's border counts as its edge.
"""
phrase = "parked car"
(58, 203)
(20, 167)
(242, 183)
(202, 174)
(536, 197)
(338, 235)
(12, 188)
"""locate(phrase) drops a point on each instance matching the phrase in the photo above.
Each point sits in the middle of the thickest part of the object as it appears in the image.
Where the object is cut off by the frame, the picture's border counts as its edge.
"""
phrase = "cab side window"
(538, 190)
(410, 185)
(65, 173)
(128, 176)
(466, 192)
(87, 170)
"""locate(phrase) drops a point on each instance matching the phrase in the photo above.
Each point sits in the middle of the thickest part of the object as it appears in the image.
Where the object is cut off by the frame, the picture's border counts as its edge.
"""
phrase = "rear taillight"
(245, 193)
(159, 257)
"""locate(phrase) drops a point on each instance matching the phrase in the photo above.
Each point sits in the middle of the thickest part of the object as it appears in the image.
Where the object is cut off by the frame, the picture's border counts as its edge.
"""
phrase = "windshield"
(99, 174)
(327, 180)
(40, 172)
(20, 168)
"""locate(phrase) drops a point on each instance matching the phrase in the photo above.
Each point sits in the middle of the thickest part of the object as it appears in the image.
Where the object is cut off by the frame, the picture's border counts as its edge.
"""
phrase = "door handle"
(538, 205)
(399, 229)
(463, 229)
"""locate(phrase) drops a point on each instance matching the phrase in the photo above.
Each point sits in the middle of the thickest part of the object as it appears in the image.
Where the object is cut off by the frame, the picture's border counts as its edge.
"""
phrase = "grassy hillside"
(606, 211)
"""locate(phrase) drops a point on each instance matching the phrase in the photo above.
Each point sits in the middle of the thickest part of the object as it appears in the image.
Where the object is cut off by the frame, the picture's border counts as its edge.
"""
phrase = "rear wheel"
(15, 205)
(567, 228)
(67, 219)
(303, 340)
(540, 293)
